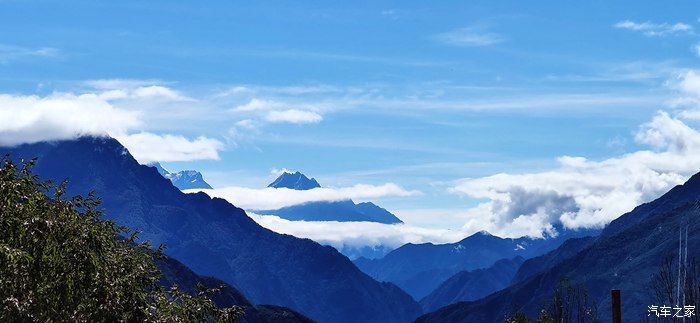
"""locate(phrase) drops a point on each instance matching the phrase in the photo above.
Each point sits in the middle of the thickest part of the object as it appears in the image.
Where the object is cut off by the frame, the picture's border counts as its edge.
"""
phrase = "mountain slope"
(420, 268)
(176, 274)
(567, 250)
(215, 238)
(185, 179)
(625, 257)
(343, 211)
(472, 285)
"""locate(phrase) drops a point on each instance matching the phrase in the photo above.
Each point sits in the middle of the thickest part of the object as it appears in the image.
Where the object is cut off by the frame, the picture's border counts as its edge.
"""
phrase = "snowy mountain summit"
(184, 180)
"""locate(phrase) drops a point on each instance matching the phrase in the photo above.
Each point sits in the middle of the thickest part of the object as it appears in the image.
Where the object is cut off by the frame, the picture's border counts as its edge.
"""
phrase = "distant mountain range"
(421, 268)
(184, 180)
(343, 211)
(625, 256)
(217, 239)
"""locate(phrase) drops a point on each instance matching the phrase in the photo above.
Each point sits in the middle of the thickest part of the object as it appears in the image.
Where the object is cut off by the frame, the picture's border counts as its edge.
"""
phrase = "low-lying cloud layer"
(275, 198)
(357, 234)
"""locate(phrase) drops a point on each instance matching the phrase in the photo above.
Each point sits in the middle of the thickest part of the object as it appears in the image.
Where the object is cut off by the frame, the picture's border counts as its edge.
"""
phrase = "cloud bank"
(357, 234)
(275, 198)
(29, 119)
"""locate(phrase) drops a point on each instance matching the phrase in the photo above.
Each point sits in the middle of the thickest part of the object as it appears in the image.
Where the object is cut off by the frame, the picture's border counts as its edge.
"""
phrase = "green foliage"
(59, 261)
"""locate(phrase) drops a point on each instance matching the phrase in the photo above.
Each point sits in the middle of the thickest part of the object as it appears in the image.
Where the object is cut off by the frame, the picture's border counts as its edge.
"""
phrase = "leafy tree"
(59, 261)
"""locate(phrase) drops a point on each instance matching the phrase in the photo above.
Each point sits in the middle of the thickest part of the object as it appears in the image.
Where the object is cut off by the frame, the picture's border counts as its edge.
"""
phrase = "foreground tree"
(59, 261)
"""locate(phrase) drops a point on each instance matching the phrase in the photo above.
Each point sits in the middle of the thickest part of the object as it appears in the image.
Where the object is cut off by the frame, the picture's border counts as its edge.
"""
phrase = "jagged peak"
(296, 181)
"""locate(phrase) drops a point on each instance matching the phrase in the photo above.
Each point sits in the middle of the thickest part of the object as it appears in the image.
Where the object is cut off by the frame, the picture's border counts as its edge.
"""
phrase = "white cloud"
(469, 37)
(28, 119)
(655, 29)
(584, 193)
(62, 116)
(357, 234)
(687, 84)
(293, 116)
(134, 89)
(147, 147)
(280, 112)
(696, 49)
(157, 91)
(11, 52)
(258, 104)
(274, 198)
(245, 123)
(277, 172)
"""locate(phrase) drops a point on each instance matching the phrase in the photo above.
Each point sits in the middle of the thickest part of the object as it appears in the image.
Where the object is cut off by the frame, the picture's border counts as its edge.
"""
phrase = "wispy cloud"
(655, 29)
(12, 52)
(274, 111)
(696, 49)
(293, 116)
(469, 37)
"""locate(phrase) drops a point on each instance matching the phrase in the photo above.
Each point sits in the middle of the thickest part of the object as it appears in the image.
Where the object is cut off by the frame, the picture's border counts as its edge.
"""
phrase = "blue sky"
(419, 94)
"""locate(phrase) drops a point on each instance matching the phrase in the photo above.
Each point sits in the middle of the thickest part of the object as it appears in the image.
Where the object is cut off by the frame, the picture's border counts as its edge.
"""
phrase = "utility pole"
(616, 306)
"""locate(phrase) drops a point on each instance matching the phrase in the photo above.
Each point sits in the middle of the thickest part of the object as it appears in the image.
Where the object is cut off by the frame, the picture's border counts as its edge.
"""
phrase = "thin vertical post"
(616, 306)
